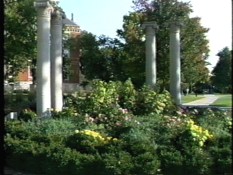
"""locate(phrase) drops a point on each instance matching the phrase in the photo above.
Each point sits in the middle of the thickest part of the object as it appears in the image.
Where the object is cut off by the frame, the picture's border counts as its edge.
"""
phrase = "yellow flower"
(200, 134)
(96, 136)
(201, 143)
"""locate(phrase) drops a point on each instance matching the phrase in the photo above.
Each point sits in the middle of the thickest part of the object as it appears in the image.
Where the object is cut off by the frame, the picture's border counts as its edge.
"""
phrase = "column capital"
(151, 24)
(42, 3)
(44, 8)
(57, 17)
(175, 26)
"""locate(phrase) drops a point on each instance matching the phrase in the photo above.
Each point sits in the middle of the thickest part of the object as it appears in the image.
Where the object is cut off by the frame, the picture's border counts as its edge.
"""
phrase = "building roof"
(68, 22)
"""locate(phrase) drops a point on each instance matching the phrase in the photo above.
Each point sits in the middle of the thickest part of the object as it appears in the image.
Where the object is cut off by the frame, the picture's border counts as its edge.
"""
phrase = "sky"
(104, 17)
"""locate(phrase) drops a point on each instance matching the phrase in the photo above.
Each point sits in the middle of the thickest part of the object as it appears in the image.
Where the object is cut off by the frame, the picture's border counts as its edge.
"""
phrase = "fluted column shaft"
(43, 96)
(150, 53)
(175, 76)
(56, 61)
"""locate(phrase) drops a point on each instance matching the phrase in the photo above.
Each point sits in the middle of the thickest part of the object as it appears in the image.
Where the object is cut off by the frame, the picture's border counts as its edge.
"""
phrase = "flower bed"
(117, 130)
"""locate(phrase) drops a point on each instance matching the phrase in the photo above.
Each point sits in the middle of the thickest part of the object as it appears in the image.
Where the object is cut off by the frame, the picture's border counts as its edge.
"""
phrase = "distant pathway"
(206, 101)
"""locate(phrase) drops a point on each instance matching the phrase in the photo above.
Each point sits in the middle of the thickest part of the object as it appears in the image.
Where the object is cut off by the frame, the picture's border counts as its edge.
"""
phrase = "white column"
(56, 61)
(150, 52)
(43, 95)
(175, 78)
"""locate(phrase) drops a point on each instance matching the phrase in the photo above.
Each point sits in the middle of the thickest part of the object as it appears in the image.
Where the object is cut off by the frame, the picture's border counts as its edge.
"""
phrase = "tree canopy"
(19, 35)
(100, 57)
(117, 58)
(20, 41)
(130, 47)
(194, 45)
(222, 72)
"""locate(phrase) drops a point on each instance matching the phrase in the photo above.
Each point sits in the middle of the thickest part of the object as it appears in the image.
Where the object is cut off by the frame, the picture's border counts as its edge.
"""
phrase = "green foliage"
(148, 101)
(127, 95)
(116, 98)
(18, 101)
(20, 30)
(194, 45)
(88, 141)
(117, 161)
(139, 144)
(219, 123)
(114, 105)
(52, 127)
(199, 134)
(222, 160)
(101, 55)
(214, 121)
(20, 35)
(111, 59)
(65, 113)
(222, 77)
(49, 160)
(27, 115)
(97, 101)
(194, 49)
(113, 140)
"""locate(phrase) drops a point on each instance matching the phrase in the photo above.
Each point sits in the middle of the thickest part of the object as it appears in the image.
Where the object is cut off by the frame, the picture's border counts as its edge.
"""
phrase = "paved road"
(207, 100)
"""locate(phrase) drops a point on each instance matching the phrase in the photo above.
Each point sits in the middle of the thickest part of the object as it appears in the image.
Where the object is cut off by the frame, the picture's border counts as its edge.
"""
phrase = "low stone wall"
(66, 88)
(70, 87)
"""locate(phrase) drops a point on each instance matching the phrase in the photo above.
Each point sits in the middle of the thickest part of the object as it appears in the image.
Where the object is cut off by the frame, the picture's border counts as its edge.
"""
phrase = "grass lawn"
(223, 101)
(190, 97)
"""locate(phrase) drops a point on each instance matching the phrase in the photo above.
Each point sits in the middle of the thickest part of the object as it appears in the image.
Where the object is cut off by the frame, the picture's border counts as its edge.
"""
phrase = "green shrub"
(171, 160)
(22, 153)
(105, 97)
(220, 147)
(149, 101)
(121, 131)
(178, 149)
(118, 162)
(127, 95)
(102, 97)
(29, 156)
(88, 141)
(139, 143)
(222, 158)
(27, 115)
(46, 127)
(18, 101)
(197, 161)
(65, 113)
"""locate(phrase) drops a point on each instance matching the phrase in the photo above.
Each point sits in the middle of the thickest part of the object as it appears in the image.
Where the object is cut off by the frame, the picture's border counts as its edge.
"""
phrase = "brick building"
(72, 30)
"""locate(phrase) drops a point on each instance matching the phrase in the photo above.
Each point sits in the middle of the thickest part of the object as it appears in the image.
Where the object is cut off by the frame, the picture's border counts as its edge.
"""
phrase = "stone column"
(56, 61)
(175, 76)
(43, 94)
(150, 52)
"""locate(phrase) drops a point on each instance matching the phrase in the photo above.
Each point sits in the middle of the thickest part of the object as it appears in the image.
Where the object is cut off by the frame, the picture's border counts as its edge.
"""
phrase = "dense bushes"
(17, 101)
(104, 97)
(113, 130)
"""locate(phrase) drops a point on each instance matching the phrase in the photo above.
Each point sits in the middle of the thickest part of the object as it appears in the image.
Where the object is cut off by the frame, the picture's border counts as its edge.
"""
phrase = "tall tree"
(20, 30)
(119, 59)
(194, 49)
(19, 35)
(100, 57)
(222, 72)
(133, 47)
(194, 45)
